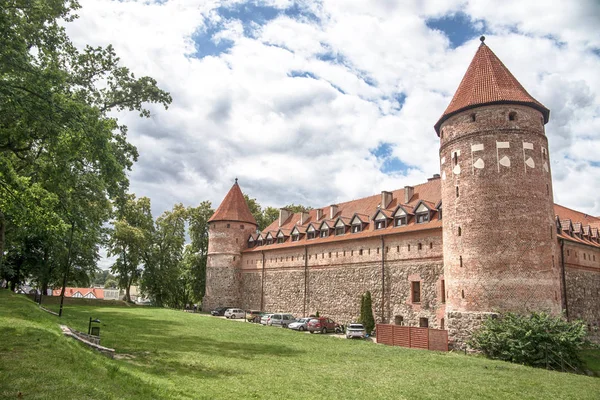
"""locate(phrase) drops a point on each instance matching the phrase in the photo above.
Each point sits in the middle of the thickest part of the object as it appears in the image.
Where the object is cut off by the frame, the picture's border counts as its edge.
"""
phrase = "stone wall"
(461, 326)
(582, 276)
(331, 278)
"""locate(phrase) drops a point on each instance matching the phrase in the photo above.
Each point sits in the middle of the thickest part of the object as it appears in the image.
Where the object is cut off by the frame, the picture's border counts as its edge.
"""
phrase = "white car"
(300, 324)
(266, 319)
(233, 313)
(356, 330)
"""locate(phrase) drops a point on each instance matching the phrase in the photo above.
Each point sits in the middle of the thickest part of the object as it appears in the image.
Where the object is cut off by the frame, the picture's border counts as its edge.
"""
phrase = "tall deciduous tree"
(131, 238)
(62, 155)
(197, 251)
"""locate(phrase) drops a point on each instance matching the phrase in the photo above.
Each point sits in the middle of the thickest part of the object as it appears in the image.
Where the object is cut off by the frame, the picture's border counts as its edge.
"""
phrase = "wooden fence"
(413, 337)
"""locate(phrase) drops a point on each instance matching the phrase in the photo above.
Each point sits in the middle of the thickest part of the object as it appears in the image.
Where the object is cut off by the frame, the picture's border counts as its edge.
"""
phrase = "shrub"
(366, 313)
(537, 340)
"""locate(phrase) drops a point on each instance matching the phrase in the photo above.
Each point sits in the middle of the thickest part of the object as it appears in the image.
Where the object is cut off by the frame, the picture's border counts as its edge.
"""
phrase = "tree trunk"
(2, 230)
(67, 265)
(46, 272)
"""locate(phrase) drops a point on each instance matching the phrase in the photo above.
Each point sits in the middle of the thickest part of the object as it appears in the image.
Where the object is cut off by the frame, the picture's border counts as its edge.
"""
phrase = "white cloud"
(307, 139)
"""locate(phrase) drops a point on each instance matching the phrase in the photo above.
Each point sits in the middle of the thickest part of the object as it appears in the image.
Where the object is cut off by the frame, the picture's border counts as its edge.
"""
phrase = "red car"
(321, 324)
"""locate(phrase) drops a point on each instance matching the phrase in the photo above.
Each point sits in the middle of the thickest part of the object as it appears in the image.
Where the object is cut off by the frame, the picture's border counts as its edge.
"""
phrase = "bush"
(537, 340)
(366, 313)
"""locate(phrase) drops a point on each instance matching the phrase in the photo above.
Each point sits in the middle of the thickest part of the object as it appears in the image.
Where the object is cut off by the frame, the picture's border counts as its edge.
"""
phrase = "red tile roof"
(488, 81)
(69, 292)
(234, 207)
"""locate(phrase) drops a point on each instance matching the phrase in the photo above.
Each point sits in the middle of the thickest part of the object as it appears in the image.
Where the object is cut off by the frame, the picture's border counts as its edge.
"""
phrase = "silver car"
(282, 320)
(356, 330)
(300, 324)
(266, 319)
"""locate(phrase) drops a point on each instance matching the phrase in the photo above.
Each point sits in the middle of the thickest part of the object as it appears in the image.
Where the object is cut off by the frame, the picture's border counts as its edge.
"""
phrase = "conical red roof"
(234, 207)
(488, 81)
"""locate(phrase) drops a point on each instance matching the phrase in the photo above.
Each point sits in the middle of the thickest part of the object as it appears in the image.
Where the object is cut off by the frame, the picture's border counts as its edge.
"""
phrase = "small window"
(280, 240)
(295, 237)
(324, 233)
(400, 221)
(442, 323)
(380, 224)
(360, 252)
(311, 235)
(512, 116)
(236, 240)
(455, 158)
(547, 189)
(423, 323)
(459, 231)
(399, 320)
(420, 246)
(568, 252)
(457, 191)
(356, 228)
(430, 245)
(329, 254)
(378, 250)
(229, 225)
(409, 247)
(397, 249)
(423, 217)
(461, 262)
(339, 230)
(416, 291)
(473, 117)
(241, 226)
(462, 293)
(443, 291)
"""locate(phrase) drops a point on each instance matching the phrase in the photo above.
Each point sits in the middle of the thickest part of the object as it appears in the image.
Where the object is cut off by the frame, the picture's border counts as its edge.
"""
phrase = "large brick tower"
(499, 235)
(228, 231)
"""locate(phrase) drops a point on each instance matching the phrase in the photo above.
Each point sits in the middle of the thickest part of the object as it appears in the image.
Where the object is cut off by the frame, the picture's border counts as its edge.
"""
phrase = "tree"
(162, 262)
(130, 239)
(265, 217)
(61, 155)
(195, 254)
(366, 312)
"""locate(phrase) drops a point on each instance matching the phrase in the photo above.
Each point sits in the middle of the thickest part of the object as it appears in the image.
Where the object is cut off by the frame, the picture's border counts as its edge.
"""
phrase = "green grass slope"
(171, 354)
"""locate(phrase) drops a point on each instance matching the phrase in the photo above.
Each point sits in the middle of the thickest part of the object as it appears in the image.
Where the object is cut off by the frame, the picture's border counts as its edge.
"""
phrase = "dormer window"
(423, 217)
(340, 230)
(380, 220)
(251, 243)
(357, 224)
(379, 224)
(401, 221)
(280, 240)
(311, 235)
(295, 237)
(324, 233)
(260, 242)
(422, 213)
(356, 228)
(269, 241)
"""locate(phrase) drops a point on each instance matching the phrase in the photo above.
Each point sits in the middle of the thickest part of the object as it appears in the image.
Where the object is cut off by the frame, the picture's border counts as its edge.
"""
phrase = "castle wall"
(331, 278)
(582, 276)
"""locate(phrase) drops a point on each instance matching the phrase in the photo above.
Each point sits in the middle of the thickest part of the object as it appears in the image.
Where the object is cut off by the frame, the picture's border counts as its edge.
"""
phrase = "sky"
(320, 102)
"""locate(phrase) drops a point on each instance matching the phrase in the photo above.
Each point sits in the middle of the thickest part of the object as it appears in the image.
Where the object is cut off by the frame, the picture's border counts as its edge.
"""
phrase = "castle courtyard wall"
(331, 278)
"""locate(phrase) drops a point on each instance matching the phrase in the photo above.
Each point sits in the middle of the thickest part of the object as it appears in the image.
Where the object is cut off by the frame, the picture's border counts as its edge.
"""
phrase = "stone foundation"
(461, 326)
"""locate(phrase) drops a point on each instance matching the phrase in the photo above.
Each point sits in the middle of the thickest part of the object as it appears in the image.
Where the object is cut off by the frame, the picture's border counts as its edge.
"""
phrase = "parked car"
(233, 313)
(283, 320)
(219, 311)
(321, 324)
(254, 316)
(356, 330)
(266, 319)
(300, 324)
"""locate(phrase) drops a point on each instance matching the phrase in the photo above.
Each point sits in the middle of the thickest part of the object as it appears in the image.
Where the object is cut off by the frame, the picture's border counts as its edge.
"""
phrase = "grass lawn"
(177, 355)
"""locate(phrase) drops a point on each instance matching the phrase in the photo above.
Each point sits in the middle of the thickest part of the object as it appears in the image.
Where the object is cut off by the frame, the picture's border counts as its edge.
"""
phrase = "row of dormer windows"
(420, 218)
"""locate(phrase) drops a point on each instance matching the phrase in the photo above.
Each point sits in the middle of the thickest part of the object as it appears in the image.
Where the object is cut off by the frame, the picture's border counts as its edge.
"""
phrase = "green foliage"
(317, 314)
(62, 154)
(195, 254)
(265, 217)
(537, 340)
(366, 312)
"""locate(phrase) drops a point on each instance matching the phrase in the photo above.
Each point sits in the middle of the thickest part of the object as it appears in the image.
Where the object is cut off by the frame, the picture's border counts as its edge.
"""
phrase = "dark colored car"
(219, 311)
(321, 324)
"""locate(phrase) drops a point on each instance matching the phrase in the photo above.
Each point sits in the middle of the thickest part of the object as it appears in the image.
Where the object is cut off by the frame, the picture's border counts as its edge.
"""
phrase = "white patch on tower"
(504, 161)
(528, 160)
(479, 164)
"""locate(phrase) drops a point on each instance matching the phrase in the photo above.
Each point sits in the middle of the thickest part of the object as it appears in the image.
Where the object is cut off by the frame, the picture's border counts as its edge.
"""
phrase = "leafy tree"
(537, 340)
(297, 208)
(195, 254)
(100, 277)
(162, 261)
(110, 283)
(265, 217)
(131, 239)
(61, 155)
(366, 313)
(269, 215)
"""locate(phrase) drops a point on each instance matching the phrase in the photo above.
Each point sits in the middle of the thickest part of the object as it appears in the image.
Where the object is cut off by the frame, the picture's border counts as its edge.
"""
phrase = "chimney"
(332, 211)
(434, 177)
(319, 213)
(409, 191)
(303, 217)
(386, 199)
(284, 214)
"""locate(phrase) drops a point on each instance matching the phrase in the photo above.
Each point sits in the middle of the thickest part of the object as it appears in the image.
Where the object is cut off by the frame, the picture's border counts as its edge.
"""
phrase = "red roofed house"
(85, 293)
(482, 237)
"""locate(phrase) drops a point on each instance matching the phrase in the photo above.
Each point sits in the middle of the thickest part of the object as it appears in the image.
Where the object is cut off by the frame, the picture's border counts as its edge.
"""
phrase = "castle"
(482, 237)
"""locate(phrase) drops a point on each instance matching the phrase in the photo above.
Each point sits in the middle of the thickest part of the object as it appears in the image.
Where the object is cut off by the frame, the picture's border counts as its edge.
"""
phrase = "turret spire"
(234, 207)
(488, 81)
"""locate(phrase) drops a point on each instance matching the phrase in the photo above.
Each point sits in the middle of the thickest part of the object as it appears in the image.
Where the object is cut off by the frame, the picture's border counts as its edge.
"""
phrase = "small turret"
(228, 231)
